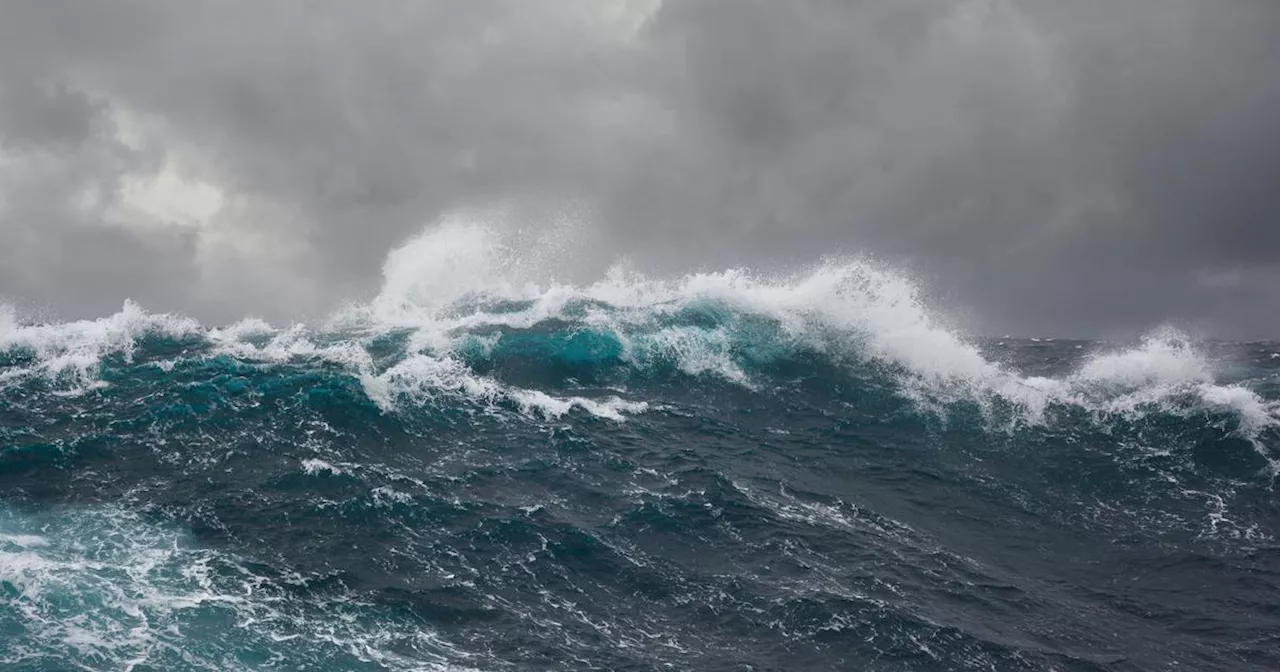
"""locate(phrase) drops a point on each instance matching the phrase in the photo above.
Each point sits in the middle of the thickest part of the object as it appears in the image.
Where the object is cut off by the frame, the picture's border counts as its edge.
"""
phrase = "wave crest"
(458, 298)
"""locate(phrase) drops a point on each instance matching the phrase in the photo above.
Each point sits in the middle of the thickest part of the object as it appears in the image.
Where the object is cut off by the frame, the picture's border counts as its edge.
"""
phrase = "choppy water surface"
(724, 472)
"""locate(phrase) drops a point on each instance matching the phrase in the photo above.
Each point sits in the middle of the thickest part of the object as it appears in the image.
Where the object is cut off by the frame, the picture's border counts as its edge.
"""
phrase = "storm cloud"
(1076, 168)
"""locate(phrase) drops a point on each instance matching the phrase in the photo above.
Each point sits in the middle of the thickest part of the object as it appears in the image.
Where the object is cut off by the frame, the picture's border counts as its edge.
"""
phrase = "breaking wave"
(456, 303)
(484, 467)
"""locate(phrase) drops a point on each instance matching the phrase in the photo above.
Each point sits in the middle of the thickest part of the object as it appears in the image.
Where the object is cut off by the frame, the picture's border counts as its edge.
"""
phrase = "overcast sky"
(1046, 167)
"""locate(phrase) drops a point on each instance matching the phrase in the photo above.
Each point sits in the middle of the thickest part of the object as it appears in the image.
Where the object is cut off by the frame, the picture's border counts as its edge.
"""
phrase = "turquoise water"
(722, 474)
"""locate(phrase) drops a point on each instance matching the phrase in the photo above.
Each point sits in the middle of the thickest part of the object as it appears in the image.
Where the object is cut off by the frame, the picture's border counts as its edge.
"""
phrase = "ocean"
(725, 471)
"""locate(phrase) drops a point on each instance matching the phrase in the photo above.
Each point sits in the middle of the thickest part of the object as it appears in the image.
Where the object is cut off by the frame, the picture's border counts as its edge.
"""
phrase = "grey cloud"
(1058, 167)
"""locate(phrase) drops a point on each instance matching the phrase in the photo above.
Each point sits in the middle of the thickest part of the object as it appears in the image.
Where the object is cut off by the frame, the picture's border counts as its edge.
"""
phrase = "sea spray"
(482, 467)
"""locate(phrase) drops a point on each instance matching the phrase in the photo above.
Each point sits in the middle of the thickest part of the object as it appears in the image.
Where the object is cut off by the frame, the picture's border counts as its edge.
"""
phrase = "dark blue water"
(692, 485)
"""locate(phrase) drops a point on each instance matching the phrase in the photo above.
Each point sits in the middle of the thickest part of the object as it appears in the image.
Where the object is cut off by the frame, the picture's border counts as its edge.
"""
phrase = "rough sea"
(726, 471)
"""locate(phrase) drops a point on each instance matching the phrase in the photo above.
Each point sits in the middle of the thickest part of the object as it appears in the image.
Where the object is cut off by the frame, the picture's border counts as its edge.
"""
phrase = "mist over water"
(697, 365)
(484, 467)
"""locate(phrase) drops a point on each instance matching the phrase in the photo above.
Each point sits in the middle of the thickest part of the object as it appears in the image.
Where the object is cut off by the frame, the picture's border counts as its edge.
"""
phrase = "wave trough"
(483, 468)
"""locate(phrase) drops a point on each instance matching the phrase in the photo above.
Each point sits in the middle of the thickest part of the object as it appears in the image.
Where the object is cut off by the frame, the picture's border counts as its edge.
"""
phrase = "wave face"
(484, 469)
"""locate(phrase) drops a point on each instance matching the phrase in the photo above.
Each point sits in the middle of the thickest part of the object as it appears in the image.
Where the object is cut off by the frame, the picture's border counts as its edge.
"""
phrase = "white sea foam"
(101, 588)
(314, 467)
(882, 309)
(246, 328)
(73, 351)
(611, 408)
(425, 379)
(459, 281)
(444, 283)
(429, 281)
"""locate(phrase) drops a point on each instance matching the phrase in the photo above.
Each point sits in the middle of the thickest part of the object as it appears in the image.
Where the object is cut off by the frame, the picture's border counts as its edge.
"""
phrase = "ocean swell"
(482, 467)
(457, 314)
